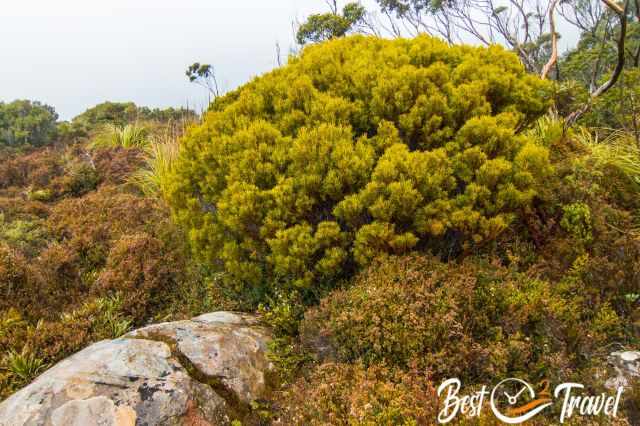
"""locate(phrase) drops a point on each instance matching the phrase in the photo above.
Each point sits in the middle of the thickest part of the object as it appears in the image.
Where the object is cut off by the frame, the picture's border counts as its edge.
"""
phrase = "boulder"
(205, 371)
(226, 350)
(626, 366)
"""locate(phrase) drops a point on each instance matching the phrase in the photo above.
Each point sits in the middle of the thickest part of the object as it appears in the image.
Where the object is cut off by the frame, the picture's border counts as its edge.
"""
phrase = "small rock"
(626, 365)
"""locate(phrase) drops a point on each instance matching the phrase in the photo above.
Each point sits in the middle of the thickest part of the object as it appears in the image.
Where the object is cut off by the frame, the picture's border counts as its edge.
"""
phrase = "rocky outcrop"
(626, 366)
(205, 371)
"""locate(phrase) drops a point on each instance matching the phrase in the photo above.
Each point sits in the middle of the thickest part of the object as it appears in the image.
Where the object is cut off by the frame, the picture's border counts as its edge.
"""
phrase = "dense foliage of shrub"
(84, 257)
(13, 278)
(474, 321)
(358, 147)
(325, 26)
(115, 165)
(28, 236)
(24, 122)
(618, 108)
(116, 113)
(345, 394)
(145, 270)
(37, 169)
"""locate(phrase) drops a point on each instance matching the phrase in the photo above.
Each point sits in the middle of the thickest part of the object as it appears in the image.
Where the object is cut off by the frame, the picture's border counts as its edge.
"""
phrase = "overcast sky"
(73, 54)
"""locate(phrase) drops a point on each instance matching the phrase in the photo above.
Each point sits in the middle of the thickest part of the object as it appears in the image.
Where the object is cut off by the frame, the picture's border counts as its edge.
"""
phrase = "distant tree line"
(25, 123)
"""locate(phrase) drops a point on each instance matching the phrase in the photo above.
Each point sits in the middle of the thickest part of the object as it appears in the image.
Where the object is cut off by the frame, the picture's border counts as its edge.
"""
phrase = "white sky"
(73, 54)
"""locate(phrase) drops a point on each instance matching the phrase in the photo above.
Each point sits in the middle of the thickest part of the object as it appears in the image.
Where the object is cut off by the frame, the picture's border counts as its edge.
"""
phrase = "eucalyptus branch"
(554, 41)
(604, 87)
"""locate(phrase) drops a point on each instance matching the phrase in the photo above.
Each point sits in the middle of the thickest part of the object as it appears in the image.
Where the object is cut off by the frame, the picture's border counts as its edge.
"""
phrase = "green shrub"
(116, 113)
(25, 122)
(282, 314)
(8, 320)
(576, 220)
(319, 27)
(618, 107)
(43, 195)
(79, 179)
(123, 113)
(27, 235)
(358, 147)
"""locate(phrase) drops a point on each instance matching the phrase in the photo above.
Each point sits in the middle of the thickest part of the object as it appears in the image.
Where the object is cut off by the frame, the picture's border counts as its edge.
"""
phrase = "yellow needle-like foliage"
(359, 147)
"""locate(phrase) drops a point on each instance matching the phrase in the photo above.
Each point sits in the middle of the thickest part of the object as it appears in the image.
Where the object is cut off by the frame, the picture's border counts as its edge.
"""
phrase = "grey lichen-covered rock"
(227, 349)
(204, 371)
(626, 366)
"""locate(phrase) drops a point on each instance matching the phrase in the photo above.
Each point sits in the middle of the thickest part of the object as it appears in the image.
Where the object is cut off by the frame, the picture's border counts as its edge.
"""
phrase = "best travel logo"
(514, 401)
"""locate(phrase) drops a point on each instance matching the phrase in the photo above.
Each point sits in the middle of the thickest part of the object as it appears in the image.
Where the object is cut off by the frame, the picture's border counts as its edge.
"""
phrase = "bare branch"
(622, 16)
(278, 56)
(333, 6)
(554, 41)
(616, 7)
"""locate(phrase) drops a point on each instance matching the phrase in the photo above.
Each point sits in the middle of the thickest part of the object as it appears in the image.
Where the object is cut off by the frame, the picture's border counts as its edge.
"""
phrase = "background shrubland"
(84, 255)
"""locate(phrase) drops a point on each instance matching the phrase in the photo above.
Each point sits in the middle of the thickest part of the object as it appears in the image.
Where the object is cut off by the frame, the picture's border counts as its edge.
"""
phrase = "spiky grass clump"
(129, 136)
(548, 130)
(153, 179)
(107, 320)
(619, 150)
(25, 365)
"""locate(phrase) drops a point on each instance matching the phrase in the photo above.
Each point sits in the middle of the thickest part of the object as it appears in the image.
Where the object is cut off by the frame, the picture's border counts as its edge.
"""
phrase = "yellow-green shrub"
(359, 146)
(576, 220)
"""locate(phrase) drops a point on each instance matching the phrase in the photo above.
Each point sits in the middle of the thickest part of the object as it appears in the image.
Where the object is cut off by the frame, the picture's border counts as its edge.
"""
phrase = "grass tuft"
(618, 150)
(155, 177)
(129, 136)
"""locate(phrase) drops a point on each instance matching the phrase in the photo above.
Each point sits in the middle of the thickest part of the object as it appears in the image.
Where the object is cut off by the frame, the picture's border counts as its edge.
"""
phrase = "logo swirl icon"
(514, 390)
